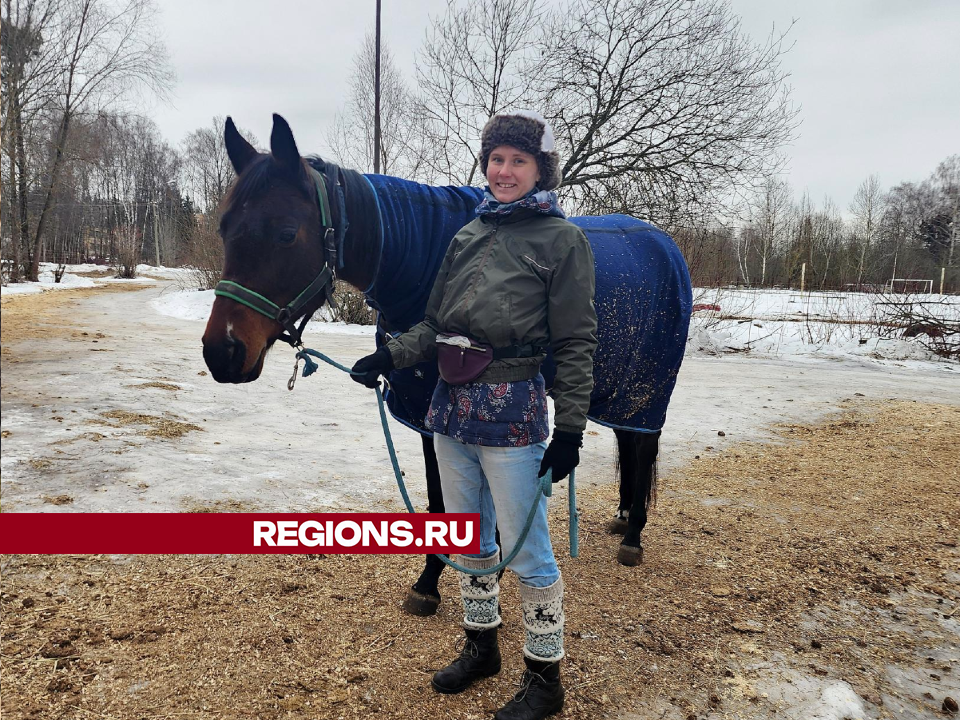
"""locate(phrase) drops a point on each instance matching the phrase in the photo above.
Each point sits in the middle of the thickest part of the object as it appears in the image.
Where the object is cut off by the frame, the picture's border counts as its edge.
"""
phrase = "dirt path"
(815, 577)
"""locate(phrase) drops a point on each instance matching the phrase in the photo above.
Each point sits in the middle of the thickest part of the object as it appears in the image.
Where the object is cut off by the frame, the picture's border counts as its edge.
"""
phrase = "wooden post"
(943, 271)
(803, 276)
(156, 232)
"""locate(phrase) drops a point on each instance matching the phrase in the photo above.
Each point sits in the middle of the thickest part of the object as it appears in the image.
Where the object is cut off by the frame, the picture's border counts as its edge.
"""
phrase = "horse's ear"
(239, 150)
(283, 146)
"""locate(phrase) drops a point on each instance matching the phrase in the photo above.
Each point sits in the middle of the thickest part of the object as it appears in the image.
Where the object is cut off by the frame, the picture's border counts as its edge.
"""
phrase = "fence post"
(943, 271)
(803, 276)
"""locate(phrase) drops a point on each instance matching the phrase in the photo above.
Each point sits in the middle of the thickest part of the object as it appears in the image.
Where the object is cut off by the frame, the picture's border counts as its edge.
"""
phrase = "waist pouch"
(462, 360)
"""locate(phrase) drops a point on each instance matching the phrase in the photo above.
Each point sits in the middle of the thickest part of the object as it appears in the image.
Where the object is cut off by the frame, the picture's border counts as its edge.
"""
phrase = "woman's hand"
(562, 454)
(372, 367)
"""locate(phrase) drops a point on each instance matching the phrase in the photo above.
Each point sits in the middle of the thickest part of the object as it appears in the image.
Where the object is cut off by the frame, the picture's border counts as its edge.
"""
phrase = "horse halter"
(332, 239)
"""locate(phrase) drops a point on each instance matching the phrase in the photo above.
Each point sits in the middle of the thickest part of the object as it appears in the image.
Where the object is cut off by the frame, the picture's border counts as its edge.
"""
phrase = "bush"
(129, 241)
(353, 306)
(205, 256)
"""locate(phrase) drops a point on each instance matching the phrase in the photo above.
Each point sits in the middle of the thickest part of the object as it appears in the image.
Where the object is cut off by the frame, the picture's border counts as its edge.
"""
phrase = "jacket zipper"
(471, 291)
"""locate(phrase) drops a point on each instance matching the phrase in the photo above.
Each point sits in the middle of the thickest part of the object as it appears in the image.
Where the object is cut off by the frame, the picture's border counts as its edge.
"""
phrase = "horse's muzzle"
(226, 360)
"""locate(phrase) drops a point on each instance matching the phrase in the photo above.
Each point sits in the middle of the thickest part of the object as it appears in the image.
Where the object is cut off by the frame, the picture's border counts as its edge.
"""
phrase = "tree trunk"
(34, 272)
(15, 267)
(22, 187)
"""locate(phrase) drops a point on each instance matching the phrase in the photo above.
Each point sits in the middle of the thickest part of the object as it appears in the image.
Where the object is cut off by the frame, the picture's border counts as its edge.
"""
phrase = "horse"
(290, 224)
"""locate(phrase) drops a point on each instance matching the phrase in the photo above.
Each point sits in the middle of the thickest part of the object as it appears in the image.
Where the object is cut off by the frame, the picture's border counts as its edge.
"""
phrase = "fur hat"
(528, 131)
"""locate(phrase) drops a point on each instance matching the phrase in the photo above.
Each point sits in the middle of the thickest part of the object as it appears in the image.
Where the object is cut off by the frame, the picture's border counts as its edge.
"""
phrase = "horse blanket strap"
(340, 231)
(327, 228)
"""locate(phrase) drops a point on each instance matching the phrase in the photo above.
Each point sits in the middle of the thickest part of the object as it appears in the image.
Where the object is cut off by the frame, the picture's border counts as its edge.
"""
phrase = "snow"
(805, 697)
(74, 277)
(69, 281)
(196, 305)
(811, 326)
(770, 323)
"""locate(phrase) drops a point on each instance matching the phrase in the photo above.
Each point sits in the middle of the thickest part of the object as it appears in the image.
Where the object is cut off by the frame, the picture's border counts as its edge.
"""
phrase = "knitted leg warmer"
(543, 621)
(480, 593)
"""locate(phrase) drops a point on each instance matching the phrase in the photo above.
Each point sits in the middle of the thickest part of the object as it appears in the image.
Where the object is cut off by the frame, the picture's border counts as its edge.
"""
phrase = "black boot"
(479, 658)
(540, 694)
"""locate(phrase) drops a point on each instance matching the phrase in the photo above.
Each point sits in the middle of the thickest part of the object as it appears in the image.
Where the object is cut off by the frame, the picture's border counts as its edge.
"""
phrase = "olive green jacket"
(526, 278)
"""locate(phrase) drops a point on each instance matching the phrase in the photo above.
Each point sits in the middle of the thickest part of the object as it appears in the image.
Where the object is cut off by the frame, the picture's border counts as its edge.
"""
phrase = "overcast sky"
(878, 81)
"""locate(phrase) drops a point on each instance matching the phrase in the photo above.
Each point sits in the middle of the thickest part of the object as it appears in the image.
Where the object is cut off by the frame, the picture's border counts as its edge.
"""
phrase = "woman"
(515, 281)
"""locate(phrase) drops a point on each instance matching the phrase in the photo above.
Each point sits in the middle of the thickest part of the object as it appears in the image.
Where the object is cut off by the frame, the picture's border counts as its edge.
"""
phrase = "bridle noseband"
(332, 238)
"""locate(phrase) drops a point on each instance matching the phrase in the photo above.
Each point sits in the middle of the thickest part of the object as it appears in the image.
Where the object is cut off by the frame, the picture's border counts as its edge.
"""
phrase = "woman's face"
(511, 173)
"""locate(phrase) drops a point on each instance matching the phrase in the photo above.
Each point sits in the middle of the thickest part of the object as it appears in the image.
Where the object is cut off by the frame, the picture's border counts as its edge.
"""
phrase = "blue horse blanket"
(643, 301)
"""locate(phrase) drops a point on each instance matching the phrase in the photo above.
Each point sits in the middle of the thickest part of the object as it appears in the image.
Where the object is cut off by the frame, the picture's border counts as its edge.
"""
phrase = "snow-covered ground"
(768, 323)
(77, 276)
(140, 352)
(804, 326)
(784, 324)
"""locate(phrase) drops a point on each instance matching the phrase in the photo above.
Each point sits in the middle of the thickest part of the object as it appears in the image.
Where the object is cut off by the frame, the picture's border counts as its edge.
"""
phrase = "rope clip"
(293, 378)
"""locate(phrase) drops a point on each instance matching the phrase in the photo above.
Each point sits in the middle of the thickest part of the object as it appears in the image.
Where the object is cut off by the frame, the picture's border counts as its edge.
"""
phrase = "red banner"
(239, 533)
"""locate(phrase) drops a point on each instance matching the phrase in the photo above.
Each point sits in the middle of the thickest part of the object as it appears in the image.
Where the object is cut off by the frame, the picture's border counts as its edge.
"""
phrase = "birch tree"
(867, 209)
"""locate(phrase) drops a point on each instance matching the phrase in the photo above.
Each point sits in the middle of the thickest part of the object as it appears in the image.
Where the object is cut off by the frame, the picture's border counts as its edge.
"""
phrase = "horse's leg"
(644, 455)
(424, 597)
(627, 471)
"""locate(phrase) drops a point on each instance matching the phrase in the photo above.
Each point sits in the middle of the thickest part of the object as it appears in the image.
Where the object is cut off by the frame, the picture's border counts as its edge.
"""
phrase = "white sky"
(878, 81)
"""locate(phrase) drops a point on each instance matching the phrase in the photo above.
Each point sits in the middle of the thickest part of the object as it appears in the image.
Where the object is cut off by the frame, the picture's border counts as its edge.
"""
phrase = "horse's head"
(272, 237)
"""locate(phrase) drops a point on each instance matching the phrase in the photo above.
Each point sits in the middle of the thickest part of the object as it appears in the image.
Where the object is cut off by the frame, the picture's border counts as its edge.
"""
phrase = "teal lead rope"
(546, 484)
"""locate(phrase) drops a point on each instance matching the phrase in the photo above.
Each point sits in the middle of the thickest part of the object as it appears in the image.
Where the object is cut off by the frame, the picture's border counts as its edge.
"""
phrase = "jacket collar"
(517, 215)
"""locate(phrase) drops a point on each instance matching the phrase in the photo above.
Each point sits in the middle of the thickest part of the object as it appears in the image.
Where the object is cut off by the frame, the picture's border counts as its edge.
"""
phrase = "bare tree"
(669, 94)
(104, 52)
(867, 208)
(352, 135)
(207, 171)
(208, 174)
(827, 238)
(130, 175)
(29, 65)
(477, 59)
(772, 215)
(947, 179)
(661, 108)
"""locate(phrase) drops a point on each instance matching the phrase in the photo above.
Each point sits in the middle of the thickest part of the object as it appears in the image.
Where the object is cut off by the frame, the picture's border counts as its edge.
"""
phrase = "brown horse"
(288, 223)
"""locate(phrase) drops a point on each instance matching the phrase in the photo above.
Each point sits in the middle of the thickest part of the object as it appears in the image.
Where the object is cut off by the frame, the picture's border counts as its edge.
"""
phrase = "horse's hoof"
(420, 604)
(629, 556)
(617, 526)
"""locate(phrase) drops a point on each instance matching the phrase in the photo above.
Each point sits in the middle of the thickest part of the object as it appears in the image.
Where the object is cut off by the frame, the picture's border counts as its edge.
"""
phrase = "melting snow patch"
(805, 697)
(47, 282)
(196, 305)
(186, 305)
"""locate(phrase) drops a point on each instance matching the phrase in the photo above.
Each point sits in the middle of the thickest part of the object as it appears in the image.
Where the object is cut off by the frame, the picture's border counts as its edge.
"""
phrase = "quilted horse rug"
(643, 299)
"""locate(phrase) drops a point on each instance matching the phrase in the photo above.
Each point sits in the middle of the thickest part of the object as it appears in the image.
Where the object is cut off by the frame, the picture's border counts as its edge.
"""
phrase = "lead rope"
(546, 484)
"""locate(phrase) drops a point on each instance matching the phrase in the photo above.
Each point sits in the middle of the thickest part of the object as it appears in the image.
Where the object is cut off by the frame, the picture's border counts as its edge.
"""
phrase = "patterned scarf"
(543, 201)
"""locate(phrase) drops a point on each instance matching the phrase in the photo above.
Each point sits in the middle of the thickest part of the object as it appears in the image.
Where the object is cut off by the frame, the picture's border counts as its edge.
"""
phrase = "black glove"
(372, 367)
(562, 454)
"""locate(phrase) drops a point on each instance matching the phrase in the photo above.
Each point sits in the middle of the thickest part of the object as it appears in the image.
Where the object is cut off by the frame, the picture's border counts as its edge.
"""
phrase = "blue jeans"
(500, 483)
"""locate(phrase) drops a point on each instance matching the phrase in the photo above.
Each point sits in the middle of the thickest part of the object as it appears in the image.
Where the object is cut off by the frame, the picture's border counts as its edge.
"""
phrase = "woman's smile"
(511, 173)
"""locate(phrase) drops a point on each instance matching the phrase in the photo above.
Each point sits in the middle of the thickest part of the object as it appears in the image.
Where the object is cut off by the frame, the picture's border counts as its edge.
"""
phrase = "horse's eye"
(287, 237)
